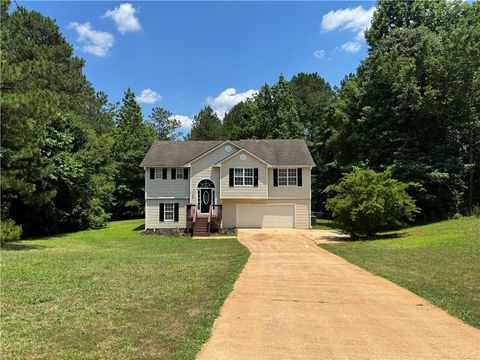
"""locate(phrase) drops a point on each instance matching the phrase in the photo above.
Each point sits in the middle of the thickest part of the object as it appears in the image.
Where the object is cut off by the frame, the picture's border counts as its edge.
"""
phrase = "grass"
(114, 293)
(323, 224)
(440, 262)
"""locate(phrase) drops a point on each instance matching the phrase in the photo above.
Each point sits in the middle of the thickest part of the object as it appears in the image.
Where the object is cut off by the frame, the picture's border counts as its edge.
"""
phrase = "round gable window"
(243, 157)
(228, 148)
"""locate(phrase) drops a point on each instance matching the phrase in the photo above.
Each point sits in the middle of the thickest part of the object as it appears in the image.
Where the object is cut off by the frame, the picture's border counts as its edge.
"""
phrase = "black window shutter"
(230, 180)
(275, 177)
(299, 176)
(164, 173)
(255, 177)
(162, 212)
(174, 174)
(175, 214)
(185, 173)
(152, 173)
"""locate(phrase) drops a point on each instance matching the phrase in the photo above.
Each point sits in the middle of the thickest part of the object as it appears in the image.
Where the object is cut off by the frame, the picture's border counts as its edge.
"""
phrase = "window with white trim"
(243, 176)
(179, 173)
(287, 177)
(169, 211)
(158, 173)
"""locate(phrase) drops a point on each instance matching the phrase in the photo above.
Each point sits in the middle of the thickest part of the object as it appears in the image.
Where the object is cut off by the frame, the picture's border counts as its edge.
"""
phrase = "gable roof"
(272, 151)
(236, 153)
(226, 142)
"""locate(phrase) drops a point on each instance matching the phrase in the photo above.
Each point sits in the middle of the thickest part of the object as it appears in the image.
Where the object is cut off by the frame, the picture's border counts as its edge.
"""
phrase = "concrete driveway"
(294, 300)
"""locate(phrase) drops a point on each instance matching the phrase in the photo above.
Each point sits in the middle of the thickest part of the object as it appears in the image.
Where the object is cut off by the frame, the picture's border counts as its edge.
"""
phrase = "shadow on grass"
(20, 246)
(139, 228)
(388, 236)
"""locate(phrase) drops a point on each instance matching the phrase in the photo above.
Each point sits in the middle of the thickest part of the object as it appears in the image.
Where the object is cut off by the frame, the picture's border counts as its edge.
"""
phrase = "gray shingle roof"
(274, 152)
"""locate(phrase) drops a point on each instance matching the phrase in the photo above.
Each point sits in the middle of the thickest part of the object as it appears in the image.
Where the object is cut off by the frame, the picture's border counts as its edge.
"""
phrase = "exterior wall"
(203, 169)
(302, 210)
(166, 188)
(243, 192)
(299, 192)
(152, 215)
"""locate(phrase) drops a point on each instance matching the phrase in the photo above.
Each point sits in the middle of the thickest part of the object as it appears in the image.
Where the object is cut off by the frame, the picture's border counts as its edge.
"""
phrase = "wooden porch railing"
(217, 215)
(214, 217)
(191, 216)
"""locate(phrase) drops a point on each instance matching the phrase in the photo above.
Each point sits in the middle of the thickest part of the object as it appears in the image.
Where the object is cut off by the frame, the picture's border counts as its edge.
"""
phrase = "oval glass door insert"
(206, 197)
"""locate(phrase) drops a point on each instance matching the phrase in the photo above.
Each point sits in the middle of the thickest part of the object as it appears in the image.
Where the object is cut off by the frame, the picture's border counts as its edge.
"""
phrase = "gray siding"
(152, 215)
(168, 188)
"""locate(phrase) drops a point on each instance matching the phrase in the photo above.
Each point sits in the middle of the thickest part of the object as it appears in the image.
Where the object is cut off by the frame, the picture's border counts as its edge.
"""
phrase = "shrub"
(9, 231)
(476, 212)
(368, 202)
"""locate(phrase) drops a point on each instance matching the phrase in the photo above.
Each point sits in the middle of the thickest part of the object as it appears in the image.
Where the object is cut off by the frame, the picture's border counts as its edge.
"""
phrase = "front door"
(205, 200)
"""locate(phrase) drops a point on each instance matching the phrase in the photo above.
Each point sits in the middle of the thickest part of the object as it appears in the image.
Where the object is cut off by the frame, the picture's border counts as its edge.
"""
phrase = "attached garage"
(265, 215)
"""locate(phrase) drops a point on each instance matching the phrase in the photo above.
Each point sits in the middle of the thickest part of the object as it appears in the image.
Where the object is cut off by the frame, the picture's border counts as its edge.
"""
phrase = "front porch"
(203, 223)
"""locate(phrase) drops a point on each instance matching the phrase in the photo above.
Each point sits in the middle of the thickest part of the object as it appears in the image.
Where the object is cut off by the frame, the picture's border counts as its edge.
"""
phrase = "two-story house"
(231, 184)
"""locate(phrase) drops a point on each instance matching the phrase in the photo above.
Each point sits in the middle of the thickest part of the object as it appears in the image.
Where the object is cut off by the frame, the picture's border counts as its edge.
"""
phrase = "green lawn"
(323, 224)
(440, 262)
(114, 293)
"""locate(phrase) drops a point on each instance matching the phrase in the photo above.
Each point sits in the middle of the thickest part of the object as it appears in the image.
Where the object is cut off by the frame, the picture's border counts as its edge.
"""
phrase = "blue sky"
(185, 55)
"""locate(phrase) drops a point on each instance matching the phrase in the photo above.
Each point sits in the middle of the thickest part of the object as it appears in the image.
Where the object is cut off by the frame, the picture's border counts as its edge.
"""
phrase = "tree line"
(69, 158)
(413, 105)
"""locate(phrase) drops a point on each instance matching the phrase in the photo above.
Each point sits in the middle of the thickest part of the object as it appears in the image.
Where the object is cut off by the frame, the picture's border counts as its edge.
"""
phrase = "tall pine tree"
(132, 139)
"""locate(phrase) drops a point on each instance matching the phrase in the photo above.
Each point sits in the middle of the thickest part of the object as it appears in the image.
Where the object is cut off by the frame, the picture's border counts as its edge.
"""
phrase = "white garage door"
(265, 216)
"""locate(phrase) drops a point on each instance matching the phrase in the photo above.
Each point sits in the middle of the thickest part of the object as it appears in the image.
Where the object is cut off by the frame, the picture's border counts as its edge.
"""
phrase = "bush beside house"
(367, 202)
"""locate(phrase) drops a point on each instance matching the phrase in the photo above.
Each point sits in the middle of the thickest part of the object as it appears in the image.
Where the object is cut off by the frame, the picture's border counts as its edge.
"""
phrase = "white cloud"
(148, 96)
(227, 99)
(320, 54)
(94, 42)
(351, 47)
(355, 19)
(185, 121)
(124, 17)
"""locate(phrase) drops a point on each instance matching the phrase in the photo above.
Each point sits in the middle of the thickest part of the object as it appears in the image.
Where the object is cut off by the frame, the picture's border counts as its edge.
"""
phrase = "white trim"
(245, 198)
(214, 193)
(176, 173)
(166, 198)
(218, 164)
(209, 151)
(165, 212)
(145, 204)
(287, 177)
(268, 185)
(243, 176)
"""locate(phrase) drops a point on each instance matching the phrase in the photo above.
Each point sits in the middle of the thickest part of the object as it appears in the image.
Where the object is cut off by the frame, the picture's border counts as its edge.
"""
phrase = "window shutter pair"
(299, 177)
(176, 209)
(152, 173)
(231, 181)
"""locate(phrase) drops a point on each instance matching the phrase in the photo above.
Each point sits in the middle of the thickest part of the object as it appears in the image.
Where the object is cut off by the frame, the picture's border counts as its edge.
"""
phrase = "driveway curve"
(294, 300)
